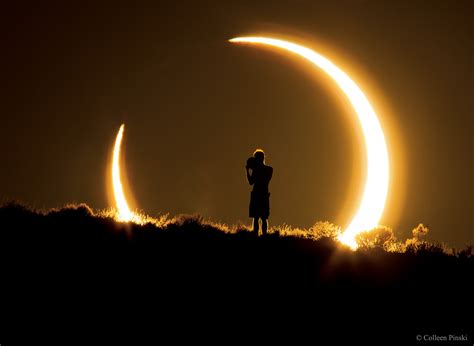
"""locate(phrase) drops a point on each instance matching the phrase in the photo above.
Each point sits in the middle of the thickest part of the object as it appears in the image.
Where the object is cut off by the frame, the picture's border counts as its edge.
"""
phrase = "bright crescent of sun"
(124, 212)
(376, 185)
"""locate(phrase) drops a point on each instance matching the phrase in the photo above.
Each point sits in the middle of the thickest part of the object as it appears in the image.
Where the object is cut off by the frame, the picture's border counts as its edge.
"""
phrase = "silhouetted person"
(260, 197)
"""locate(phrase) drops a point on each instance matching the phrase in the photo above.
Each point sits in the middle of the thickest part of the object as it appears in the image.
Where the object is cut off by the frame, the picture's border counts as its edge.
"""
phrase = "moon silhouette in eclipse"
(376, 185)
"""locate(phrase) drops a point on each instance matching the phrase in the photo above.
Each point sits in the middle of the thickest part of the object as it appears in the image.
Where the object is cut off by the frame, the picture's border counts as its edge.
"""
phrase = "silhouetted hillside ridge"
(188, 264)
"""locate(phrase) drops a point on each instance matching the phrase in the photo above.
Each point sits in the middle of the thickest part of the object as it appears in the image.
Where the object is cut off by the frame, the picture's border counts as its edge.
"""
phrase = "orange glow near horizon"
(376, 185)
(123, 211)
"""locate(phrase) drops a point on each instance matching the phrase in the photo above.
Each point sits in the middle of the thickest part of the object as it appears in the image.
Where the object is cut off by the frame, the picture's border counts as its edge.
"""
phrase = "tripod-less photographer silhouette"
(259, 175)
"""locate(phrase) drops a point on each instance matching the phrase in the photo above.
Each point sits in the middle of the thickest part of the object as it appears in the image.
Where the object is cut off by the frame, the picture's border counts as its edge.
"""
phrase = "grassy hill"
(191, 274)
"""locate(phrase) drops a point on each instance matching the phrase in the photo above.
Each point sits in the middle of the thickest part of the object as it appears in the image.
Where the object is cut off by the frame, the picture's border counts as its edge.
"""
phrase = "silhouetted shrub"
(325, 229)
(381, 237)
(467, 252)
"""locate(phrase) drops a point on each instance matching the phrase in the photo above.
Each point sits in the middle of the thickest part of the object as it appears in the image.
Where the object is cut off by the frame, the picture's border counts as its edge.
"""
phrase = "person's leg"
(255, 225)
(264, 226)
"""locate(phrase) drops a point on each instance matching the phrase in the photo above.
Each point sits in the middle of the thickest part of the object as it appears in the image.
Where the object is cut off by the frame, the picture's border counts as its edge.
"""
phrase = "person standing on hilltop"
(259, 177)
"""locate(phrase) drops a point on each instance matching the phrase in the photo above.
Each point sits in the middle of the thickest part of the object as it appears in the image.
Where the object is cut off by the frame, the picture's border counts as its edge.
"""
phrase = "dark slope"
(68, 268)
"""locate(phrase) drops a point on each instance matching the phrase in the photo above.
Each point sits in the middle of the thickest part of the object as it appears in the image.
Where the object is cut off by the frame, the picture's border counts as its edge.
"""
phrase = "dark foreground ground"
(68, 275)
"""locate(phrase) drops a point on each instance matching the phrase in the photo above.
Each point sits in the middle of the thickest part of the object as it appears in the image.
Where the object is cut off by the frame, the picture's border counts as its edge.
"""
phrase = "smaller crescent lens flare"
(123, 210)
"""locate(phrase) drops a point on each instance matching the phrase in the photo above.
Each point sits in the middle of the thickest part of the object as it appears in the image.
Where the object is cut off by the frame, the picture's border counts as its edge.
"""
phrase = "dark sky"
(196, 106)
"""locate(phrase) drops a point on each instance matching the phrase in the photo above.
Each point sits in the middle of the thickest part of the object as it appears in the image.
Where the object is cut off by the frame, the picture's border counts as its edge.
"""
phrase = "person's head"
(259, 155)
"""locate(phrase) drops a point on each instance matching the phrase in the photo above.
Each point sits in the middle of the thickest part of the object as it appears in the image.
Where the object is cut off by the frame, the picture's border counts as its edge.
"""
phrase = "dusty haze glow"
(376, 185)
